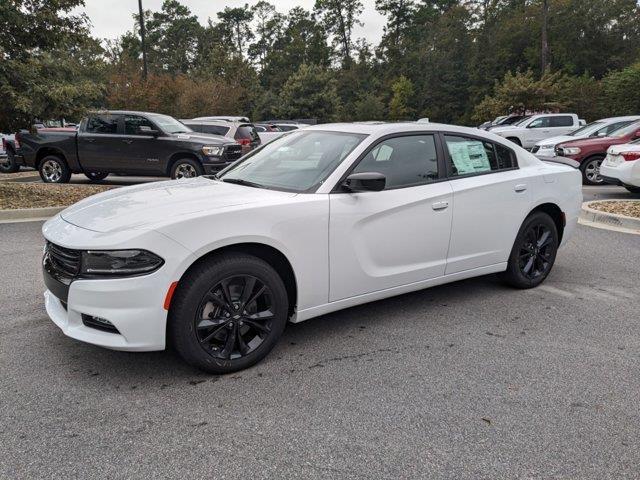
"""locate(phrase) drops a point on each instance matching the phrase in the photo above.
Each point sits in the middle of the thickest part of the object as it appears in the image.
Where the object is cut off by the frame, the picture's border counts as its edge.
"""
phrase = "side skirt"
(312, 312)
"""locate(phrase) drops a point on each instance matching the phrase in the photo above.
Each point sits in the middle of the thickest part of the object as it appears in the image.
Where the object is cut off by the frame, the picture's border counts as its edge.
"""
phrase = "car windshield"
(624, 131)
(169, 124)
(524, 119)
(587, 129)
(296, 162)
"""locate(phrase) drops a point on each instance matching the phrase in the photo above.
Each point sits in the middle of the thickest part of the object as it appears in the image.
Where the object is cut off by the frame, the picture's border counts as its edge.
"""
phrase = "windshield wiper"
(240, 181)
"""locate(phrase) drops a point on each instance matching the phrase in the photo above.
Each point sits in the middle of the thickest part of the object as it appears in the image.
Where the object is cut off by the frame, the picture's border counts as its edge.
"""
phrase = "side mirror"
(365, 182)
(145, 130)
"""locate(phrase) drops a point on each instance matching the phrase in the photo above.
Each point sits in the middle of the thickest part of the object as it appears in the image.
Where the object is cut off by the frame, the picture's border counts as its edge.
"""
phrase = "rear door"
(562, 124)
(100, 143)
(490, 200)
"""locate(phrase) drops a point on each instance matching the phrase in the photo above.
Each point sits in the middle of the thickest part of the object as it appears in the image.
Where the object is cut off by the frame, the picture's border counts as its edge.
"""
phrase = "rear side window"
(211, 129)
(605, 131)
(469, 156)
(104, 124)
(132, 124)
(561, 121)
(405, 161)
(246, 132)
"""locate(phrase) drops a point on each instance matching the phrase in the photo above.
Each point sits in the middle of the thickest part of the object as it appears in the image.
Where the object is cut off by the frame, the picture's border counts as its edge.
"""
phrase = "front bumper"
(211, 168)
(133, 305)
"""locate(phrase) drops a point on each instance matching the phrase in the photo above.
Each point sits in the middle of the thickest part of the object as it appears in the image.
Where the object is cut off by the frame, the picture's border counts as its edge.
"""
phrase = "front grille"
(232, 152)
(63, 262)
(559, 151)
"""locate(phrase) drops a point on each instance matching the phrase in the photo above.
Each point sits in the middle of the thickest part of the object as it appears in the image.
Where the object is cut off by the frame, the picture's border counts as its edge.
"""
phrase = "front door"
(143, 153)
(398, 236)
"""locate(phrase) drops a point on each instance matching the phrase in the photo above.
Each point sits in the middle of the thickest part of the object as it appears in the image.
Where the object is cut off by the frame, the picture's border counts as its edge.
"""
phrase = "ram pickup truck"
(535, 128)
(127, 143)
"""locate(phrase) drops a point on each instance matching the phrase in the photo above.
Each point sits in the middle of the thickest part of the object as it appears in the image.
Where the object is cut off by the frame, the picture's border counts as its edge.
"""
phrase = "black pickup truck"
(127, 143)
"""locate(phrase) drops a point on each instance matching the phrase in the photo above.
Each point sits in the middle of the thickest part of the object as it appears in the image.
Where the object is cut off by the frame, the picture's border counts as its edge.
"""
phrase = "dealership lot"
(469, 380)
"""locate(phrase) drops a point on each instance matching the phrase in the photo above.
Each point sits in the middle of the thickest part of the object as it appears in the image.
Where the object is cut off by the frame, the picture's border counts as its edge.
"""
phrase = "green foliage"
(402, 90)
(310, 93)
(621, 90)
(453, 61)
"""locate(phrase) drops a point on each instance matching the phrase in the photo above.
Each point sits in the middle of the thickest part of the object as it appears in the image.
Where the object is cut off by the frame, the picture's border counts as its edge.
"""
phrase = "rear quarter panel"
(61, 143)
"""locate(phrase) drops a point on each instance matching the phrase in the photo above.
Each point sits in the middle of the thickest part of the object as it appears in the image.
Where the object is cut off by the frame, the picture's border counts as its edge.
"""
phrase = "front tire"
(186, 168)
(96, 176)
(54, 169)
(228, 313)
(591, 171)
(533, 253)
(632, 189)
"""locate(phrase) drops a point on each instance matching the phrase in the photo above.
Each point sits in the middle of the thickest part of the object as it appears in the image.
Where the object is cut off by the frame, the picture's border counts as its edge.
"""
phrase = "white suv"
(539, 127)
(599, 128)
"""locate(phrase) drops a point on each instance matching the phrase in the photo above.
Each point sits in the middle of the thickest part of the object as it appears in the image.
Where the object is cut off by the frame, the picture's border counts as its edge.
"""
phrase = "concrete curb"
(29, 179)
(609, 221)
(28, 214)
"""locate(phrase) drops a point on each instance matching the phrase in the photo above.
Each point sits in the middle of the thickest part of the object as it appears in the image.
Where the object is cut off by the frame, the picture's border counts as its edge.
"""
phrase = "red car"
(590, 151)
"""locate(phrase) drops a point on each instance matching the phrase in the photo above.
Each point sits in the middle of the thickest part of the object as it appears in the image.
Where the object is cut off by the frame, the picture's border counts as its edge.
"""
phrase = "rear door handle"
(520, 187)
(439, 205)
(90, 140)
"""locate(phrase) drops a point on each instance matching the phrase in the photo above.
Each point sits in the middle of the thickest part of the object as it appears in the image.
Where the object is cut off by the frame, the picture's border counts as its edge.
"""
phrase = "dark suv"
(125, 142)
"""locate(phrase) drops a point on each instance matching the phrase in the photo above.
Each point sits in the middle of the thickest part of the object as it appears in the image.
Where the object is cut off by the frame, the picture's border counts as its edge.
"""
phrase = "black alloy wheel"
(533, 253)
(234, 317)
(534, 258)
(228, 312)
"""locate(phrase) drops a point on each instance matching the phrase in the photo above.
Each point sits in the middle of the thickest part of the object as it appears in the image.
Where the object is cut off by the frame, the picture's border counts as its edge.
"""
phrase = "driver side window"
(132, 124)
(542, 122)
(405, 161)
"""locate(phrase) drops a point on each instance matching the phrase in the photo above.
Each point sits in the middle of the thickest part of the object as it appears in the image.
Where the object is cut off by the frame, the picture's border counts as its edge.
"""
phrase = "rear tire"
(533, 253)
(591, 171)
(227, 313)
(186, 168)
(54, 169)
(9, 165)
(96, 176)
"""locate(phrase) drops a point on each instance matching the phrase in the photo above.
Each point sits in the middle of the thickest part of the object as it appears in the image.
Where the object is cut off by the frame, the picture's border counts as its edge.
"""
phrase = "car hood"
(143, 206)
(590, 142)
(202, 138)
(553, 141)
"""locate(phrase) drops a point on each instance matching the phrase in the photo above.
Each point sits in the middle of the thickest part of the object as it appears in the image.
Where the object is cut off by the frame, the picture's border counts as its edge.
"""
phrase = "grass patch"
(40, 195)
(619, 207)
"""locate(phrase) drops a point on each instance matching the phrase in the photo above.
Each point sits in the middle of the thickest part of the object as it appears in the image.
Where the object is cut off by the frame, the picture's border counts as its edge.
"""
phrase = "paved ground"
(471, 380)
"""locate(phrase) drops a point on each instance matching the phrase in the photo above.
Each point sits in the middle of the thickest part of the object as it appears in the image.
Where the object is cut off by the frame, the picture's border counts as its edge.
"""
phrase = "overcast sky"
(111, 18)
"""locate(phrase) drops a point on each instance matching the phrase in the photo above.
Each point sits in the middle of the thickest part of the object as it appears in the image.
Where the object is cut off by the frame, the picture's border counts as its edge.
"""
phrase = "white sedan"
(321, 219)
(621, 166)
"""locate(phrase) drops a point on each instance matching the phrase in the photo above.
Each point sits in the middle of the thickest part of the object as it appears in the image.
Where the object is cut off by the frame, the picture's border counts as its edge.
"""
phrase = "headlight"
(119, 262)
(546, 147)
(211, 151)
(571, 150)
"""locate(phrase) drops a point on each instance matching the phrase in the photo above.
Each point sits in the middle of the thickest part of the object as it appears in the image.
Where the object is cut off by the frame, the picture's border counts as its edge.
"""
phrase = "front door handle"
(520, 187)
(128, 142)
(440, 205)
(90, 140)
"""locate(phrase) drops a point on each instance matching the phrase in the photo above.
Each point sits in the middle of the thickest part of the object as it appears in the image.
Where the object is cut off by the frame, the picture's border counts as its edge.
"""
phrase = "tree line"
(457, 61)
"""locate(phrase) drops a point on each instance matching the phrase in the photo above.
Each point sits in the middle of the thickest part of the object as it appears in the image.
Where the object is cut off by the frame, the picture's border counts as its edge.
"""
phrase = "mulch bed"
(39, 195)
(26, 173)
(619, 207)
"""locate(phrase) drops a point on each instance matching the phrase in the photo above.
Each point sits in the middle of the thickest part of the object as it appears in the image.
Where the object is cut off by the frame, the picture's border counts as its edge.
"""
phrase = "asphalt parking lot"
(469, 380)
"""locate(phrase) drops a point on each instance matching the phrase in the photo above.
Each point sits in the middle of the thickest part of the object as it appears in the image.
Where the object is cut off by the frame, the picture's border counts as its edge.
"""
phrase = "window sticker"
(469, 157)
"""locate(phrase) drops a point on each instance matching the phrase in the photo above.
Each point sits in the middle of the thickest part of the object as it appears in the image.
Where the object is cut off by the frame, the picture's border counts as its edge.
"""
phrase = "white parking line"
(556, 291)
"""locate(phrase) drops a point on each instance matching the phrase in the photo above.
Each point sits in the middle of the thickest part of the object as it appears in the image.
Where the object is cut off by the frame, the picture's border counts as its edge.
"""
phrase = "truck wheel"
(632, 189)
(591, 170)
(515, 140)
(9, 164)
(54, 169)
(96, 176)
(186, 168)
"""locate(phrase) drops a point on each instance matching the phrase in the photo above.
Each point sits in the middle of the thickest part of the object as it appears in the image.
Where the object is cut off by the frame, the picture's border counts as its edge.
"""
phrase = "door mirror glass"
(365, 182)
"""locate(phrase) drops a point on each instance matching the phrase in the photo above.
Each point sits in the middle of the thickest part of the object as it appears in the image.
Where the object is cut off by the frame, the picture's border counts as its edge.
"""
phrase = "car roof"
(618, 119)
(123, 112)
(224, 118)
(386, 128)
